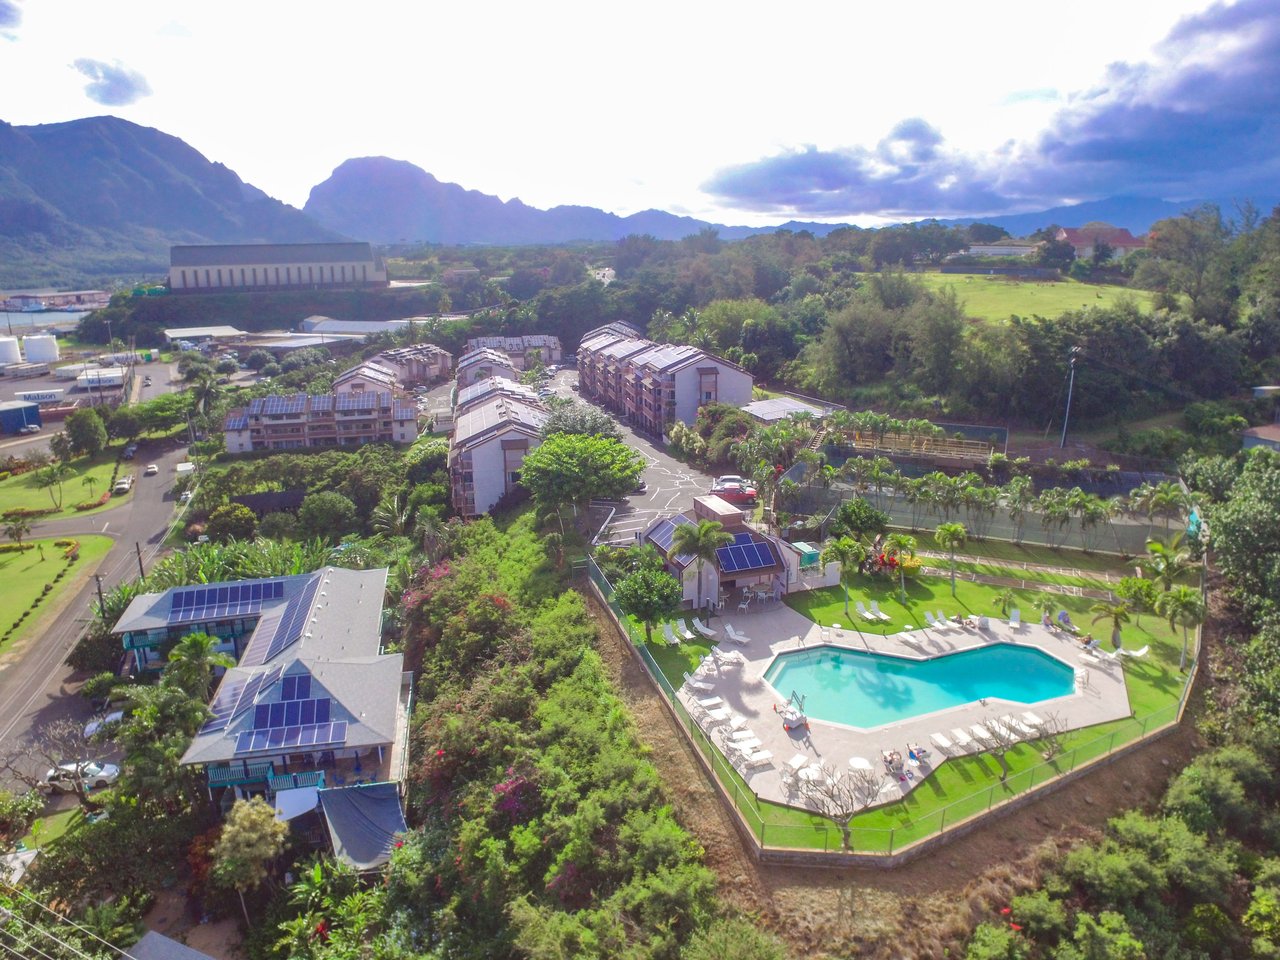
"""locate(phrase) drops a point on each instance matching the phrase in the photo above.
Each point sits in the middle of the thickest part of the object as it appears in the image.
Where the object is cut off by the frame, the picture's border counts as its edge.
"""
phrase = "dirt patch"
(922, 908)
(174, 916)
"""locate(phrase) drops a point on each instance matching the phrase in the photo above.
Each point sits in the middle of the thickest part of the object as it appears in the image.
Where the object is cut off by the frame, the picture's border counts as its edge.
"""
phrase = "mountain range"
(99, 198)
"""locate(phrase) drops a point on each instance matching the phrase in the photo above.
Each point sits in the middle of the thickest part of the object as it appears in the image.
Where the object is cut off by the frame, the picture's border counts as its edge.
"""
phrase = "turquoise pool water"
(863, 689)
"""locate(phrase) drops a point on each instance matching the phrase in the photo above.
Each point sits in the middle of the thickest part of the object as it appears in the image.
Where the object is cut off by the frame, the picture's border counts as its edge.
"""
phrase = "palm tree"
(900, 546)
(16, 529)
(1019, 495)
(1004, 600)
(191, 663)
(1166, 560)
(392, 517)
(701, 540)
(951, 537)
(1117, 613)
(1185, 607)
(850, 554)
(1168, 500)
(90, 481)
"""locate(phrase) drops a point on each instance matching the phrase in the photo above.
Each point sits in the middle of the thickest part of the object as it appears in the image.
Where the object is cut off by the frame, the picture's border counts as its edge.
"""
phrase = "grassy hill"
(996, 298)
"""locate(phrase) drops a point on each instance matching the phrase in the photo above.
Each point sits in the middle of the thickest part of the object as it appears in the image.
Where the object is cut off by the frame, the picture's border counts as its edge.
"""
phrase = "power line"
(15, 891)
(14, 916)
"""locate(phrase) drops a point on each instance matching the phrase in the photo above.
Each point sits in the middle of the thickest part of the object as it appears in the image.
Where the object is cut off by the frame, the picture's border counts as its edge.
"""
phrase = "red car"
(734, 492)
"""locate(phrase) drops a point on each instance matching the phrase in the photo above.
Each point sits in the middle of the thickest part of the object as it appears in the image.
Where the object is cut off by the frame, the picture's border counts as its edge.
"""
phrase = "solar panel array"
(665, 530)
(321, 403)
(227, 600)
(313, 735)
(291, 713)
(748, 556)
(741, 539)
(278, 405)
(361, 401)
(279, 628)
(253, 686)
(236, 696)
(297, 687)
(236, 421)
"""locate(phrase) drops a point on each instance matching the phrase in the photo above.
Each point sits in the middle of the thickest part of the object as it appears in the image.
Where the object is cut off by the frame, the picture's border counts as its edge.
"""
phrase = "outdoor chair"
(1032, 720)
(1135, 654)
(863, 612)
(684, 630)
(878, 613)
(962, 739)
(670, 637)
(944, 623)
(1015, 618)
(941, 742)
(703, 629)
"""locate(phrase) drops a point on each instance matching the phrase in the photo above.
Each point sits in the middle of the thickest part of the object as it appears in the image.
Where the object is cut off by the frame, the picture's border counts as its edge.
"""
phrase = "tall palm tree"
(1166, 560)
(951, 537)
(850, 554)
(392, 517)
(191, 663)
(1117, 613)
(1182, 606)
(701, 540)
(1168, 501)
(1019, 494)
(900, 546)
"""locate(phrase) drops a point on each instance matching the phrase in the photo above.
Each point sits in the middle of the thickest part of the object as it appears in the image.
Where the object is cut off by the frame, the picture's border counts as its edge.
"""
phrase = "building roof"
(481, 390)
(298, 403)
(187, 333)
(495, 416)
(621, 349)
(615, 329)
(18, 405)
(517, 344)
(484, 355)
(156, 946)
(665, 357)
(363, 328)
(1269, 432)
(780, 408)
(234, 254)
(369, 370)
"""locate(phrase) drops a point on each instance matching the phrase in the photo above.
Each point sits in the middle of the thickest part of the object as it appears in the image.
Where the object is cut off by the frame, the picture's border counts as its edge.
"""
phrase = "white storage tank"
(9, 352)
(40, 349)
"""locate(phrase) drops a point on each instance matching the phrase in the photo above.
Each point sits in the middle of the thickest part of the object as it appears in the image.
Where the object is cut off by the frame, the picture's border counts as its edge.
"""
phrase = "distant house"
(1085, 239)
(369, 375)
(1265, 436)
(236, 267)
(525, 351)
(292, 421)
(418, 363)
(487, 450)
(1004, 248)
(777, 409)
(483, 363)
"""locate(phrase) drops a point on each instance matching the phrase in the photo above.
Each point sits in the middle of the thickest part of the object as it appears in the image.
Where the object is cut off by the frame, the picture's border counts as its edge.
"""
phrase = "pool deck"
(1100, 695)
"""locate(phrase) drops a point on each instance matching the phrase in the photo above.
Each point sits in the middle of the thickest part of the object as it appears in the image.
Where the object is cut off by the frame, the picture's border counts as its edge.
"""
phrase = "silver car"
(92, 773)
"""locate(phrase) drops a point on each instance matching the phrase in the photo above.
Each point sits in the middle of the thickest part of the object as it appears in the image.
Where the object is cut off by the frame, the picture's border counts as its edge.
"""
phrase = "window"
(707, 396)
(242, 283)
(288, 274)
(207, 281)
(255, 276)
(514, 476)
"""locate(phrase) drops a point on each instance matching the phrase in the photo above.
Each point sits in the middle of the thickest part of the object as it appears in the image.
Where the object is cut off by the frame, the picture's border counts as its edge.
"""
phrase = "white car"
(93, 773)
(151, 470)
(96, 724)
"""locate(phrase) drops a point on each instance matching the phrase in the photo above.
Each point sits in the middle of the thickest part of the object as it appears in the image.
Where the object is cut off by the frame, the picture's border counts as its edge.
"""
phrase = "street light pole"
(1070, 388)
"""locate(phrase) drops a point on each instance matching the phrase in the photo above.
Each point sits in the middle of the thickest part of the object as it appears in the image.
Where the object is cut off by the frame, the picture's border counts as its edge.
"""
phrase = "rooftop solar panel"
(288, 713)
(223, 705)
(748, 556)
(297, 687)
(302, 735)
(741, 539)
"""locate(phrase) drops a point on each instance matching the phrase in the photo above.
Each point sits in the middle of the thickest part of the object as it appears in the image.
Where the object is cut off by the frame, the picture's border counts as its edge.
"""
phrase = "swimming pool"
(862, 689)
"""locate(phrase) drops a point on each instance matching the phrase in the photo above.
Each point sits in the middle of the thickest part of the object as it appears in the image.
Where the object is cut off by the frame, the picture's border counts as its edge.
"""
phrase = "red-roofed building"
(1084, 239)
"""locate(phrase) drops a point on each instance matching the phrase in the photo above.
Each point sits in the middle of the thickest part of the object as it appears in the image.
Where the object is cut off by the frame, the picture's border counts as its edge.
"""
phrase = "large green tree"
(328, 515)
(251, 838)
(651, 596)
(86, 432)
(231, 521)
(573, 469)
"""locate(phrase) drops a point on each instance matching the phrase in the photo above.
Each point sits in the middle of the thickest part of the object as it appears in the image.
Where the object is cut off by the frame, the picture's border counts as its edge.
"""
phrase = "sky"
(740, 113)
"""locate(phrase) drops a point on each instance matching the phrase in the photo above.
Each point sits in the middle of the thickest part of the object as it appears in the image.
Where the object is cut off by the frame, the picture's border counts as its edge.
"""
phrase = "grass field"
(22, 491)
(996, 298)
(961, 787)
(25, 574)
(53, 826)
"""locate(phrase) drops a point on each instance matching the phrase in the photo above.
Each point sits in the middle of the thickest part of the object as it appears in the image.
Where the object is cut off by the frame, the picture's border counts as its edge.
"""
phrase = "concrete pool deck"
(1100, 695)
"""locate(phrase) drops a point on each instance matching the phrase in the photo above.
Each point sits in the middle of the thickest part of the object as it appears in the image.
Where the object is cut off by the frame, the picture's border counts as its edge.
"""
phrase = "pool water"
(862, 689)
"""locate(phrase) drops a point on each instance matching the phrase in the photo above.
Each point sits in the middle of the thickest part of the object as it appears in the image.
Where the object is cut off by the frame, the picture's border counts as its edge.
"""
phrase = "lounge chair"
(863, 612)
(741, 734)
(720, 714)
(1032, 720)
(930, 620)
(878, 613)
(759, 758)
(1135, 654)
(735, 636)
(911, 641)
(981, 734)
(702, 629)
(709, 703)
(682, 630)
(962, 739)
(1015, 724)
(732, 657)
(670, 637)
(1089, 656)
(945, 622)
(1015, 618)
(1002, 730)
(984, 623)
(693, 684)
(746, 747)
(941, 742)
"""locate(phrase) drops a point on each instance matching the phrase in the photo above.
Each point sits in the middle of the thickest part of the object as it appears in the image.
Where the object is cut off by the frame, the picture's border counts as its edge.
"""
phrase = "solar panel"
(284, 405)
(223, 705)
(749, 556)
(297, 687)
(290, 627)
(741, 539)
(300, 735)
(220, 601)
(664, 531)
(290, 713)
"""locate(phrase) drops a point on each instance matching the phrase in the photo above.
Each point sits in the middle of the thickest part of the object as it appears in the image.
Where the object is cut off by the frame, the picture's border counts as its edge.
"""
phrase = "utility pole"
(1071, 384)
(102, 603)
(142, 574)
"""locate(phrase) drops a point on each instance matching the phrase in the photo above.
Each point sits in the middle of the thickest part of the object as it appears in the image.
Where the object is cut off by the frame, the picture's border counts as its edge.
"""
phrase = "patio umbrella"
(860, 763)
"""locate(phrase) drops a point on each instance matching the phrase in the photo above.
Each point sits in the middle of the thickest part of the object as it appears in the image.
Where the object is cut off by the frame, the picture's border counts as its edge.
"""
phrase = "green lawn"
(964, 786)
(1007, 552)
(22, 491)
(997, 298)
(25, 574)
(53, 826)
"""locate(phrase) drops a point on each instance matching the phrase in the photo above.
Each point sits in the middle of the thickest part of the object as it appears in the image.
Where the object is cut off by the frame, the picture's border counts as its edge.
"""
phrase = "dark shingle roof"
(235, 254)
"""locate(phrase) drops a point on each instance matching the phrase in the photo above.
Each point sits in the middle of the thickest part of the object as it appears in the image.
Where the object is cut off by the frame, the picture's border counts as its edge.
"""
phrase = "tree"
(851, 555)
(1000, 740)
(581, 418)
(60, 447)
(251, 838)
(1182, 606)
(257, 359)
(48, 746)
(859, 519)
(85, 430)
(327, 515)
(651, 596)
(1117, 613)
(899, 546)
(192, 661)
(124, 423)
(231, 521)
(842, 796)
(951, 537)
(17, 529)
(392, 518)
(700, 540)
(1166, 560)
(1139, 593)
(1245, 531)
(50, 478)
(570, 468)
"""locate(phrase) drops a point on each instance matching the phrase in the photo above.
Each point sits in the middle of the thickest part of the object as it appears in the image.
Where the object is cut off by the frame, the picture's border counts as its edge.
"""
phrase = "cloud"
(112, 84)
(10, 14)
(1201, 119)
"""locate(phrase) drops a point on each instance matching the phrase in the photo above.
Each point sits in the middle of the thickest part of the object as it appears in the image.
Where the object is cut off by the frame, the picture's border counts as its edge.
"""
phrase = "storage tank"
(9, 352)
(41, 349)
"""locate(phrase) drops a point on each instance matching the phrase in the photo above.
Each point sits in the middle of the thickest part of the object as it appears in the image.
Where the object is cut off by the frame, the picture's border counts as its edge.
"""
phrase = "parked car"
(123, 485)
(640, 487)
(30, 428)
(151, 470)
(184, 497)
(93, 773)
(735, 493)
(97, 723)
(730, 478)
(130, 451)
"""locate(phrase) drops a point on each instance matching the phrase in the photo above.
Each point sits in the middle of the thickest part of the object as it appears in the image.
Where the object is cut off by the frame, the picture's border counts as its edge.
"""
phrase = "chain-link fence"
(799, 830)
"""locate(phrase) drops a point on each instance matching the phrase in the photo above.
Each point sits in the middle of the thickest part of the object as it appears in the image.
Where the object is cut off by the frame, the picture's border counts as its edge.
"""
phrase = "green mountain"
(102, 198)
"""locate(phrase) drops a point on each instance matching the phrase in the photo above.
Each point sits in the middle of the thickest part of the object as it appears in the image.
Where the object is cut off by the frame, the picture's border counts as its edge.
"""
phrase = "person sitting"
(1046, 620)
(1090, 643)
(1064, 619)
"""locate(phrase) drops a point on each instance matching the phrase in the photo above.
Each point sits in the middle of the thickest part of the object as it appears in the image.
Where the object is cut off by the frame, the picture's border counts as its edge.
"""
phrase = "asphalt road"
(36, 685)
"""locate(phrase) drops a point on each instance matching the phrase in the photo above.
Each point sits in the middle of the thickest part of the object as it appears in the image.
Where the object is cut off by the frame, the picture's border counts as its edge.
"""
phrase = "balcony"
(241, 771)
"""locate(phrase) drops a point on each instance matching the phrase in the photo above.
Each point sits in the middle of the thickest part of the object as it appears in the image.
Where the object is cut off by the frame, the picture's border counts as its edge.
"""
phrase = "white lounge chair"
(759, 758)
(941, 742)
(1032, 720)
(670, 637)
(735, 636)
(863, 612)
(731, 657)
(878, 613)
(708, 703)
(682, 630)
(981, 734)
(911, 641)
(720, 714)
(703, 629)
(1015, 618)
(962, 739)
(1002, 730)
(1135, 654)
(693, 684)
(944, 623)
(746, 747)
(1015, 724)
(930, 620)
(984, 623)
(741, 734)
